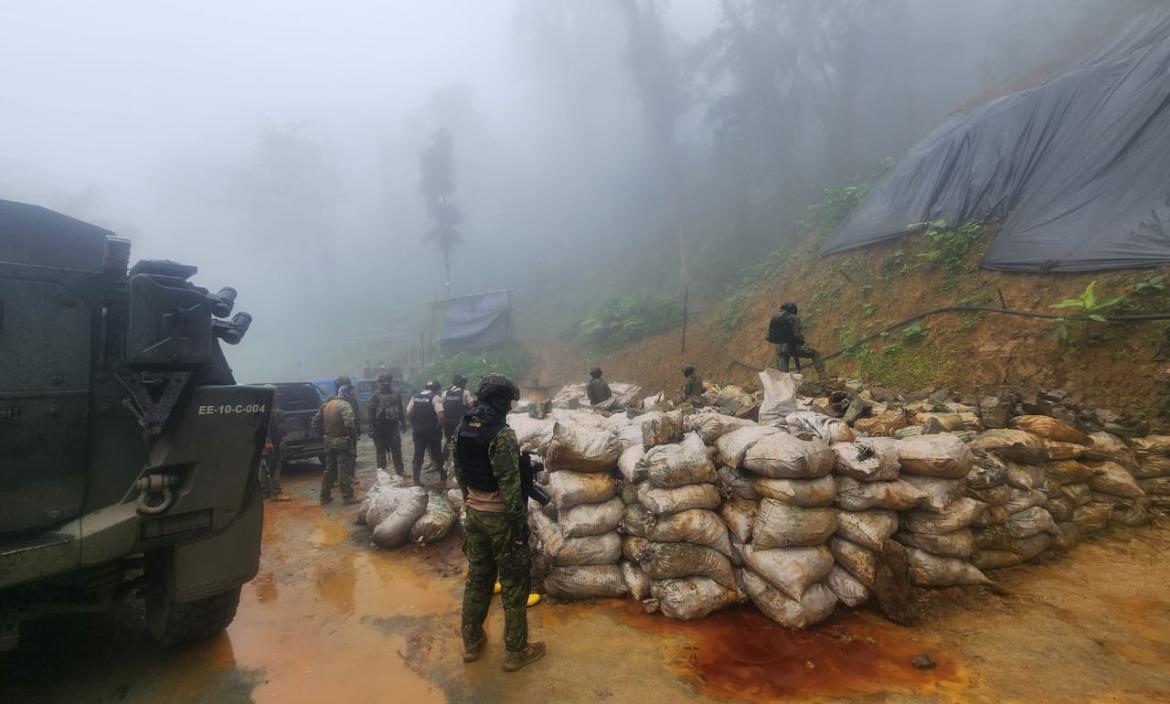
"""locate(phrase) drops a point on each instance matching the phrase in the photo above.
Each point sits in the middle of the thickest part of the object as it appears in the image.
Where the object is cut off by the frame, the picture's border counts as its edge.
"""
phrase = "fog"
(599, 146)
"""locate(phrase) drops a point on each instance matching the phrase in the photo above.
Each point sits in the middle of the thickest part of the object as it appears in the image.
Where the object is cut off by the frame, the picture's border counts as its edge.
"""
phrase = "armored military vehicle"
(128, 453)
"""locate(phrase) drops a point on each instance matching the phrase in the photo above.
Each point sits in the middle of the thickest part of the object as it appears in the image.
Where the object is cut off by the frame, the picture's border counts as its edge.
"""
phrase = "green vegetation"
(511, 359)
(620, 320)
(867, 310)
(949, 246)
(1152, 285)
(915, 333)
(865, 290)
(835, 206)
(903, 367)
(1087, 308)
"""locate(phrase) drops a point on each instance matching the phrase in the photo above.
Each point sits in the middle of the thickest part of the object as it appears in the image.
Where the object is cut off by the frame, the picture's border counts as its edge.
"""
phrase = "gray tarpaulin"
(476, 322)
(1077, 169)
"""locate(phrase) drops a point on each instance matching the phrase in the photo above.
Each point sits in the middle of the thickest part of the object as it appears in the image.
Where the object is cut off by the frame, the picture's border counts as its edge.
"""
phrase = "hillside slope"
(847, 296)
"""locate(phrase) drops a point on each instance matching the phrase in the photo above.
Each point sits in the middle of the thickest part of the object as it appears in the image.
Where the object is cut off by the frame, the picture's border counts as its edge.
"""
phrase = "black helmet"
(459, 380)
(434, 385)
(687, 369)
(790, 307)
(385, 379)
(595, 372)
(494, 384)
(342, 381)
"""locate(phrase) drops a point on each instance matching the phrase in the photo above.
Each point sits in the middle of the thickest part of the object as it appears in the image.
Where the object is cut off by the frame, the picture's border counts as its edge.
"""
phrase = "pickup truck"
(300, 401)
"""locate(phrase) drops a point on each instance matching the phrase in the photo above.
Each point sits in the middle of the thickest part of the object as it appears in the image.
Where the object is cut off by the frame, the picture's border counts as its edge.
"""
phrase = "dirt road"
(331, 619)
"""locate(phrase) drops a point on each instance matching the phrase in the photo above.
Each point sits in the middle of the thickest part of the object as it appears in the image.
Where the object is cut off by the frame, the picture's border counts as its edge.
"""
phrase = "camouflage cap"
(497, 383)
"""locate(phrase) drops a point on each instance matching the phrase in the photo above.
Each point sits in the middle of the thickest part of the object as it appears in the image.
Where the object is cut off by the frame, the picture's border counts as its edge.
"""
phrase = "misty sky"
(274, 144)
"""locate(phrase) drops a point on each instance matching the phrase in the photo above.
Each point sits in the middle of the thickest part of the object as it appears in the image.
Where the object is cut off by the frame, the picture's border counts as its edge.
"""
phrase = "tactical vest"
(782, 329)
(453, 406)
(422, 415)
(475, 460)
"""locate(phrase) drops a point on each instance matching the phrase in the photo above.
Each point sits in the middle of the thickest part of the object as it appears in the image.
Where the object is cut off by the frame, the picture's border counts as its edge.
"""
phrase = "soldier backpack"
(781, 330)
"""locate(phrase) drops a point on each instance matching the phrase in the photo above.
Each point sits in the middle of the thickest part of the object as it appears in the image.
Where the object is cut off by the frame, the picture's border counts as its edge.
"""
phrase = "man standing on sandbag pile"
(425, 412)
(386, 420)
(692, 386)
(456, 401)
(339, 423)
(597, 390)
(786, 333)
(487, 466)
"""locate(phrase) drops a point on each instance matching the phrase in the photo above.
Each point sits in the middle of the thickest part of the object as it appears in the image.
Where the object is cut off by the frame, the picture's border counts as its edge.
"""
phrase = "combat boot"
(531, 654)
(472, 654)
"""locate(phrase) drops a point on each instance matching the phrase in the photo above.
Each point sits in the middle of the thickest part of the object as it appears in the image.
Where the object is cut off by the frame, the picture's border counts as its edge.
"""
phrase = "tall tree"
(437, 184)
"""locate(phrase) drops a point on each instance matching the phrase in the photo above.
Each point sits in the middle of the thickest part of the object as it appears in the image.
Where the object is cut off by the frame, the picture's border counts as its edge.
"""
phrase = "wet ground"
(329, 618)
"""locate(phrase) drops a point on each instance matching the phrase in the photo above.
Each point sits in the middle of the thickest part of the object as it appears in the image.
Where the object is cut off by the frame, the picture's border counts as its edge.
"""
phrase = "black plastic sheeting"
(476, 322)
(1077, 169)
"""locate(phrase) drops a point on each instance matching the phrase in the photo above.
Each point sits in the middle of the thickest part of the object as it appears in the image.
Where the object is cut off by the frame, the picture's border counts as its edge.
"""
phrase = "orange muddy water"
(330, 618)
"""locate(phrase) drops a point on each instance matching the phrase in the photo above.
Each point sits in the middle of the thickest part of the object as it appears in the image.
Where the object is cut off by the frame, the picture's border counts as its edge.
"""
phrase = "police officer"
(339, 423)
(487, 466)
(692, 386)
(457, 400)
(597, 390)
(425, 412)
(274, 452)
(386, 420)
(785, 331)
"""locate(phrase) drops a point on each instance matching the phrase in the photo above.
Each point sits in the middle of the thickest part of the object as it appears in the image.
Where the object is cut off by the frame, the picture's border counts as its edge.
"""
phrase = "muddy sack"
(790, 570)
(632, 547)
(1000, 538)
(455, 498)
(591, 519)
(680, 560)
(779, 525)
(712, 425)
(1092, 517)
(868, 529)
(1027, 476)
(845, 586)
(928, 570)
(939, 456)
(868, 459)
(695, 597)
(960, 543)
(684, 498)
(957, 515)
(896, 495)
(1113, 479)
(734, 445)
(630, 464)
(779, 396)
(1013, 445)
(860, 562)
(939, 492)
(637, 583)
(1070, 472)
(739, 515)
(531, 433)
(591, 582)
(659, 428)
(1049, 428)
(1024, 499)
(579, 449)
(592, 550)
(825, 427)
(784, 456)
(569, 489)
(696, 526)
(1030, 522)
(408, 506)
(1154, 444)
(672, 466)
(815, 605)
(435, 523)
(736, 484)
(806, 493)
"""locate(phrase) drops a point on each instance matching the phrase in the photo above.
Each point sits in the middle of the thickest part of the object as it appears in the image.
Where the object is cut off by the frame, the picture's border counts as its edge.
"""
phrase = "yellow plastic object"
(533, 599)
(496, 589)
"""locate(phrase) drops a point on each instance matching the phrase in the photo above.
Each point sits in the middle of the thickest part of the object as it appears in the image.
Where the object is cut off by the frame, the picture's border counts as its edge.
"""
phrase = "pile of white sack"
(398, 514)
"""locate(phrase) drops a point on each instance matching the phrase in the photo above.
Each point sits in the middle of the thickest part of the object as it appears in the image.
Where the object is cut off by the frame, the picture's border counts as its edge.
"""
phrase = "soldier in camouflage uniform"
(786, 332)
(339, 423)
(597, 390)
(386, 420)
(487, 467)
(273, 463)
(692, 387)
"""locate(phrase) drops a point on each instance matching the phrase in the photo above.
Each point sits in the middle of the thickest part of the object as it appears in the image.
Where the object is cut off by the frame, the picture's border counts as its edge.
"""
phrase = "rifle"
(529, 467)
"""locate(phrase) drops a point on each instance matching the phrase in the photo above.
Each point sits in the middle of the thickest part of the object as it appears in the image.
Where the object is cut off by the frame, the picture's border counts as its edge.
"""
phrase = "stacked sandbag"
(436, 521)
(392, 512)
(787, 483)
(683, 547)
(937, 535)
(577, 533)
(1150, 465)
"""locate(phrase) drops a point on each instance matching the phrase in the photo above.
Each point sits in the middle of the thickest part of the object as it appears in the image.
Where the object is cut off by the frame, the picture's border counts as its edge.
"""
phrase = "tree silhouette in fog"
(437, 184)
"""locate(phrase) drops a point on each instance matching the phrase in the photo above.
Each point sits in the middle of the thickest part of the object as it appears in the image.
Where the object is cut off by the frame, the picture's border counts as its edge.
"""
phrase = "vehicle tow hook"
(154, 493)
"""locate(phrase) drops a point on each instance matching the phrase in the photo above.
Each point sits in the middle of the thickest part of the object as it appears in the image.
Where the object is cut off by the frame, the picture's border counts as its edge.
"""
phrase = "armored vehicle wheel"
(175, 624)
